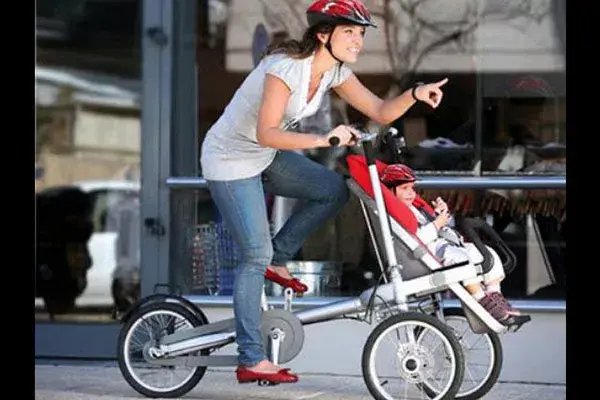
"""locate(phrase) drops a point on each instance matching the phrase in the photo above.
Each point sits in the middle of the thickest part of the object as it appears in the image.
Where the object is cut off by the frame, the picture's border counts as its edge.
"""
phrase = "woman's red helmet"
(397, 174)
(339, 12)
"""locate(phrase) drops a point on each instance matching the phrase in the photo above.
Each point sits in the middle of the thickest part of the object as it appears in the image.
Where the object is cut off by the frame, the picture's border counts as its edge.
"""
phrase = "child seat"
(411, 253)
(422, 273)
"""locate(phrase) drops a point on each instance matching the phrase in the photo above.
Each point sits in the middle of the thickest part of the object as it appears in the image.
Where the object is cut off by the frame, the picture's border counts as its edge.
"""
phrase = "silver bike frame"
(394, 293)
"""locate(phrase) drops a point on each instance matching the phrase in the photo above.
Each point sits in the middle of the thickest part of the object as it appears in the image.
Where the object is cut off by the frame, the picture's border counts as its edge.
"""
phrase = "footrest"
(515, 322)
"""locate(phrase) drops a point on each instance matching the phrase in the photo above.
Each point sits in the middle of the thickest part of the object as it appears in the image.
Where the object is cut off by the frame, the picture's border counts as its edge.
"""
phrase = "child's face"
(406, 192)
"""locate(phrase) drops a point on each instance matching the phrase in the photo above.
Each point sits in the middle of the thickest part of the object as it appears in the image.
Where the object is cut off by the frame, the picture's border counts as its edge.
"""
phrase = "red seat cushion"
(396, 209)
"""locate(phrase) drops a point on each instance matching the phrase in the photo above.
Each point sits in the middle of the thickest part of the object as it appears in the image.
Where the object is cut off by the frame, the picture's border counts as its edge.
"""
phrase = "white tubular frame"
(393, 266)
(435, 282)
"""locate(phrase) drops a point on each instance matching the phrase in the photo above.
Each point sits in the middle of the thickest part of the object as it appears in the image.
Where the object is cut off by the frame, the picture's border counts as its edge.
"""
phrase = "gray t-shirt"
(230, 150)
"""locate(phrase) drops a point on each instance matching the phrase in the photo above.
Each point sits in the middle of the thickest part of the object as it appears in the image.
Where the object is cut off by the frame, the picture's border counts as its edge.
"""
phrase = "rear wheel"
(148, 325)
(483, 356)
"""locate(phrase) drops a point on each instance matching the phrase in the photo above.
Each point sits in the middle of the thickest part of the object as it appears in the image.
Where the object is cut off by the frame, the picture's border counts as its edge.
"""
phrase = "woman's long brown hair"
(300, 48)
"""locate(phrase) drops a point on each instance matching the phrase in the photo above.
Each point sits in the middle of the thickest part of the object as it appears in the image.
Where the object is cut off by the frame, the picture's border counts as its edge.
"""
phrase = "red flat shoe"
(294, 283)
(244, 375)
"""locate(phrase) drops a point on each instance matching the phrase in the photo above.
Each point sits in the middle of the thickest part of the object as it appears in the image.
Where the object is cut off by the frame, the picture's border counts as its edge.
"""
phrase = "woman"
(249, 150)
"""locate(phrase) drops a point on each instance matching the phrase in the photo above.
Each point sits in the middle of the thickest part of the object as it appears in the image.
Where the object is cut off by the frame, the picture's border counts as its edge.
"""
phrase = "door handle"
(154, 226)
(157, 35)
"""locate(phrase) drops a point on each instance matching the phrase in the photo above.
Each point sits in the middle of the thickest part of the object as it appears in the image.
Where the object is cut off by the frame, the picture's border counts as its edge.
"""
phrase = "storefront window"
(503, 113)
(87, 158)
(340, 260)
(524, 125)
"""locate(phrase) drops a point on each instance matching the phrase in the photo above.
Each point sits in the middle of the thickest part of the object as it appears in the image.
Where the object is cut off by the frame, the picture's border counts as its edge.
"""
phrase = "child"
(447, 244)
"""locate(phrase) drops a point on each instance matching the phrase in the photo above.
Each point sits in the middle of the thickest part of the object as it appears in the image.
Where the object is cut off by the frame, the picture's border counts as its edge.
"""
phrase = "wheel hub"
(416, 362)
(151, 352)
(410, 364)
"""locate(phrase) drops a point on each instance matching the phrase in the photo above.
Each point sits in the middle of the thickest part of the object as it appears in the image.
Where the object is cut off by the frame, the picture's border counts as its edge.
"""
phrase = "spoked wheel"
(148, 325)
(483, 356)
(396, 365)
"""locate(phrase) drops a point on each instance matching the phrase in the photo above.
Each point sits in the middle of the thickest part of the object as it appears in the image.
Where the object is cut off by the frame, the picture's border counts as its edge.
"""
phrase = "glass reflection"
(533, 225)
(341, 260)
(503, 113)
(524, 125)
(87, 158)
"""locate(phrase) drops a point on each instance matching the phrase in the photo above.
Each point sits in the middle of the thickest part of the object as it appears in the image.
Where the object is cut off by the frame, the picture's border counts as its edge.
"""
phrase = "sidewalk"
(74, 382)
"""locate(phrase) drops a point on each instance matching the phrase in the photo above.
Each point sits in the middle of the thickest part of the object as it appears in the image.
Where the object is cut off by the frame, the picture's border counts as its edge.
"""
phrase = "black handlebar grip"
(334, 141)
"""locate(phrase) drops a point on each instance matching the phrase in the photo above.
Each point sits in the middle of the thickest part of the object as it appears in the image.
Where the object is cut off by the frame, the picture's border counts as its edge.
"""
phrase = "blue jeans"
(242, 206)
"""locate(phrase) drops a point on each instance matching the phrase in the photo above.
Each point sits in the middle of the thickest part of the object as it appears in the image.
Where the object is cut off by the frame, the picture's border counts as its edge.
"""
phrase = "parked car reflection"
(82, 262)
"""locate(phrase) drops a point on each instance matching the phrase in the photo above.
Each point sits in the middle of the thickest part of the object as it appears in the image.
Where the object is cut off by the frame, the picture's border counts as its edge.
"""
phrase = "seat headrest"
(359, 171)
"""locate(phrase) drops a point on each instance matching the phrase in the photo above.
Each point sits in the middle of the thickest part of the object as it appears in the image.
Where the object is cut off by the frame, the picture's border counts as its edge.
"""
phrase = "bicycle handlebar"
(364, 137)
(334, 141)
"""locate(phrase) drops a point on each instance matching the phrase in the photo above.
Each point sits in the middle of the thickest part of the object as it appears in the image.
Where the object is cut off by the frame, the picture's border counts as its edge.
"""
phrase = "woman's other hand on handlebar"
(347, 135)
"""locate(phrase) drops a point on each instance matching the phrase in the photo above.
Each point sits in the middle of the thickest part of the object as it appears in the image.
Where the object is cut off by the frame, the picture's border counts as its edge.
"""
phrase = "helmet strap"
(330, 50)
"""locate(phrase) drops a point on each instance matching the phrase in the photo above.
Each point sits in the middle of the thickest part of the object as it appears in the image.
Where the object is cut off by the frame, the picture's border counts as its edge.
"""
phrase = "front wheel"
(483, 356)
(149, 324)
(396, 365)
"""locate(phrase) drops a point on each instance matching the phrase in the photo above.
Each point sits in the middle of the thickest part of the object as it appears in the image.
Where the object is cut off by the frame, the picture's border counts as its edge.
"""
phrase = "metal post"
(183, 142)
(163, 156)
(155, 65)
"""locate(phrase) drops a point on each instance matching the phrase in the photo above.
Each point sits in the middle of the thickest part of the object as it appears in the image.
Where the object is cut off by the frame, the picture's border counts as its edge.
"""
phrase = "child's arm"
(429, 232)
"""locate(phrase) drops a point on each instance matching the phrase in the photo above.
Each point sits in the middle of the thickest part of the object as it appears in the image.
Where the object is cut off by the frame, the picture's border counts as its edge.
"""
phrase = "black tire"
(183, 312)
(496, 345)
(434, 324)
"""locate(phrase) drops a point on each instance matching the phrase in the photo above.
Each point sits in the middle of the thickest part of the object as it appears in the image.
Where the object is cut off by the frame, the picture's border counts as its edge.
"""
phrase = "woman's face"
(347, 42)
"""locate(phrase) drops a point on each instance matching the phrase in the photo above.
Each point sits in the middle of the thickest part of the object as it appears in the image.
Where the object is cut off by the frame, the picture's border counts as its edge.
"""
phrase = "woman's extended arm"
(386, 111)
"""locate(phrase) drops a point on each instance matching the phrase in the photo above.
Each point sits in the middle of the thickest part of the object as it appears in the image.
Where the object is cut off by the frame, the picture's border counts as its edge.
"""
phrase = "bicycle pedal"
(516, 322)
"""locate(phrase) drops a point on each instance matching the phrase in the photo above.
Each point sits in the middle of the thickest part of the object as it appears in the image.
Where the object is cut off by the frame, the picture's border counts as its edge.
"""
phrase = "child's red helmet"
(339, 12)
(397, 174)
